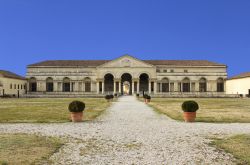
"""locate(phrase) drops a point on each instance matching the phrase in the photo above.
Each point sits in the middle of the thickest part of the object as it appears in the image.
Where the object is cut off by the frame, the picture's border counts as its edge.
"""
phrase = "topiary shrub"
(137, 95)
(115, 95)
(148, 97)
(111, 96)
(145, 96)
(76, 106)
(107, 97)
(190, 106)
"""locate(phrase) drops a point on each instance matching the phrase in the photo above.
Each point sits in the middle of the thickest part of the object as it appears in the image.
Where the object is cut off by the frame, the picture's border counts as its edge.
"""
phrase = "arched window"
(66, 84)
(87, 82)
(186, 85)
(49, 84)
(165, 85)
(220, 85)
(203, 85)
(32, 84)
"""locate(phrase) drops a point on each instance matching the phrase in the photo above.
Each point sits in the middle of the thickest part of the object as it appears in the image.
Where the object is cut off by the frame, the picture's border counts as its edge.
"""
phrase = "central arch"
(126, 84)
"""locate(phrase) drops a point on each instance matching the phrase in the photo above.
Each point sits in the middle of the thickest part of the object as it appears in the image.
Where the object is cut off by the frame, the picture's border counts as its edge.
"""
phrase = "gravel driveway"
(130, 132)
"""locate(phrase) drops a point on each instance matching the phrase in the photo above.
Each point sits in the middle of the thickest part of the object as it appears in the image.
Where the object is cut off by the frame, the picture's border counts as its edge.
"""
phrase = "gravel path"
(130, 132)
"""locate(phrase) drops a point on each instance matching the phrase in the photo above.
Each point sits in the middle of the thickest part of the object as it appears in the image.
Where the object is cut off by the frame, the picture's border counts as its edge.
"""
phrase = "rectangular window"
(21, 86)
(49, 87)
(66, 87)
(158, 70)
(18, 86)
(172, 71)
(203, 87)
(10, 86)
(220, 87)
(87, 86)
(165, 71)
(15, 86)
(152, 86)
(186, 87)
(165, 87)
(185, 71)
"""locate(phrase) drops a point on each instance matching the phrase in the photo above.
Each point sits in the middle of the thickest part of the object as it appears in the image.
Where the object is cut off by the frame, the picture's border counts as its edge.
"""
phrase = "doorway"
(126, 88)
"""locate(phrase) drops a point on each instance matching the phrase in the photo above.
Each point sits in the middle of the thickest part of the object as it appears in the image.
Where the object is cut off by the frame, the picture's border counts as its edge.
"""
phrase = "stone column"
(102, 87)
(120, 90)
(70, 86)
(176, 86)
(149, 86)
(197, 86)
(91, 86)
(27, 87)
(83, 86)
(76, 87)
(97, 87)
(160, 88)
(155, 87)
(133, 87)
(55, 86)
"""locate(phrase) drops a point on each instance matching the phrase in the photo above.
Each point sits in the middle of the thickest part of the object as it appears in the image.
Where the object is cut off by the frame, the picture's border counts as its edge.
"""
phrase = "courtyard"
(47, 110)
(128, 132)
(216, 110)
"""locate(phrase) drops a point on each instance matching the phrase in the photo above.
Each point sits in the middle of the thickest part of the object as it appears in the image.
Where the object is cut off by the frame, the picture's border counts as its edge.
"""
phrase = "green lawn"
(226, 110)
(29, 110)
(238, 145)
(27, 149)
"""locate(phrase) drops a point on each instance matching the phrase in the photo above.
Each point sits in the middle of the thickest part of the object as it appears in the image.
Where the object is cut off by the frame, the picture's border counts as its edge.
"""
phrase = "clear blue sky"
(36, 30)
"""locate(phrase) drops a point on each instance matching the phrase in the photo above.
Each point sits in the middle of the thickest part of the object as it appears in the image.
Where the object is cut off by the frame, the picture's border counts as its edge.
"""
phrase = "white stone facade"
(238, 86)
(12, 86)
(127, 72)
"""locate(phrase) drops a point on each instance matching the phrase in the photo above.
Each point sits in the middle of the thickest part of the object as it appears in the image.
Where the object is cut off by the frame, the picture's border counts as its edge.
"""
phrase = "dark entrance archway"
(144, 79)
(109, 83)
(126, 78)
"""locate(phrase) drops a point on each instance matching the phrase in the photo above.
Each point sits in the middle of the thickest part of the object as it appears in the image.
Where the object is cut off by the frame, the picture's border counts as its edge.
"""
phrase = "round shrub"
(148, 97)
(115, 94)
(107, 97)
(137, 95)
(145, 96)
(76, 106)
(190, 106)
(111, 96)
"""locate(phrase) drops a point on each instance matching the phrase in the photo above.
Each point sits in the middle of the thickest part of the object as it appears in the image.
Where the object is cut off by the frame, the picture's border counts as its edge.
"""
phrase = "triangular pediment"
(126, 61)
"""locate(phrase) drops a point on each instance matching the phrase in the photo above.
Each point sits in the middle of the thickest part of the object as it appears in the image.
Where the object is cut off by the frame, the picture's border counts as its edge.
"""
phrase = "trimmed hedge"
(190, 106)
(76, 106)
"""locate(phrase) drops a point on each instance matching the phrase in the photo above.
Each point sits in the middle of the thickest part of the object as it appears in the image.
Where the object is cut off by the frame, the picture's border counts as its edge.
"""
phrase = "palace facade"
(126, 75)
